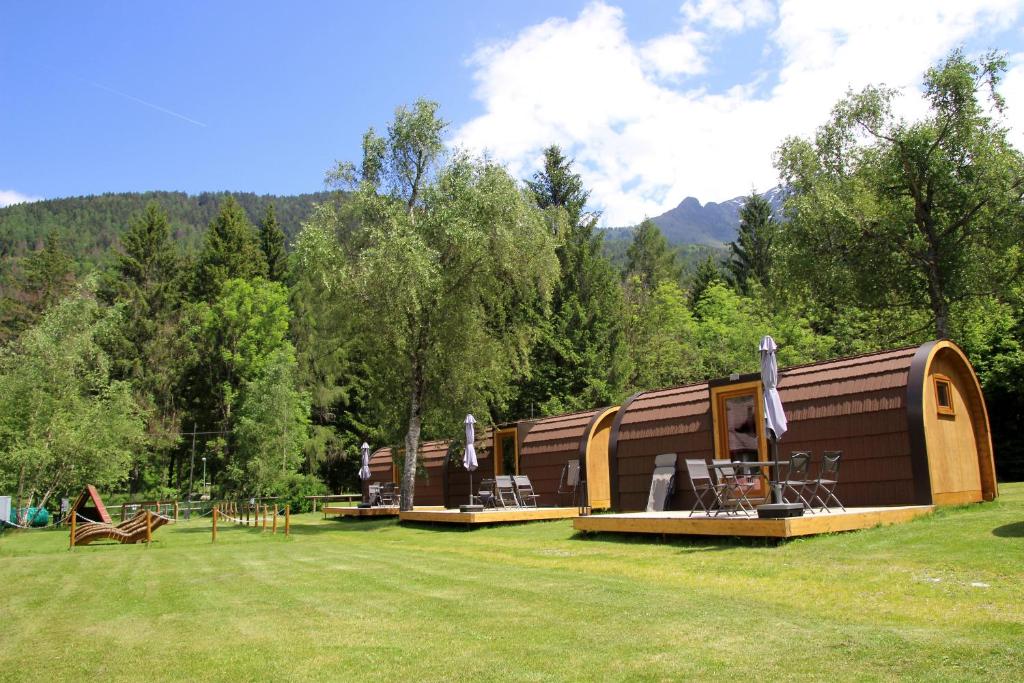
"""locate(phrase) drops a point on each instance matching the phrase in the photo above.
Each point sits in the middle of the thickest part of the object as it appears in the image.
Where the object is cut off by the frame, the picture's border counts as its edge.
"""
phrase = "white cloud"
(646, 131)
(8, 197)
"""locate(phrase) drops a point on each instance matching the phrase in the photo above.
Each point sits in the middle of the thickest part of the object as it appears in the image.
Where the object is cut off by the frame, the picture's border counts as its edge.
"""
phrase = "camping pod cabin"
(911, 424)
(549, 444)
(430, 473)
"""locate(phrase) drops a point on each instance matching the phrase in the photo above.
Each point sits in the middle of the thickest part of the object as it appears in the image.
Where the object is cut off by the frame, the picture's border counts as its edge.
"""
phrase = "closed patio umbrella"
(364, 469)
(469, 457)
(774, 416)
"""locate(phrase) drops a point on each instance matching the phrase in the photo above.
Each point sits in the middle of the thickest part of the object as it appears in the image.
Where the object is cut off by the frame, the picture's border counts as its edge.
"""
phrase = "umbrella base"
(780, 510)
(471, 508)
(364, 505)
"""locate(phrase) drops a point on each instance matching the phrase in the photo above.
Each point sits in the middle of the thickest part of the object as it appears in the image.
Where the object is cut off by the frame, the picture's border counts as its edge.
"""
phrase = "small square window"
(944, 395)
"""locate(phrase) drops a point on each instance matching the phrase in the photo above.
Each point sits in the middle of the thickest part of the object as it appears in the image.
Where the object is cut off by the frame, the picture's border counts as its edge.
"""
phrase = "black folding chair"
(796, 477)
(486, 494)
(702, 485)
(828, 479)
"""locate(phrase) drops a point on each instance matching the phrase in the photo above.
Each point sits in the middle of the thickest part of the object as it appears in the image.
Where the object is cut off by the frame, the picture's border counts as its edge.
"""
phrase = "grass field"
(940, 598)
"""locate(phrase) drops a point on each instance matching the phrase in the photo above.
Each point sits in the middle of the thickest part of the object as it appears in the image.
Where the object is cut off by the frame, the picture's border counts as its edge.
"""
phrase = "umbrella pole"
(776, 485)
(471, 487)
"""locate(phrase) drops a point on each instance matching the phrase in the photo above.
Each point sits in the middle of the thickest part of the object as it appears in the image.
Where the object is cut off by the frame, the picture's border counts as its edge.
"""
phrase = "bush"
(294, 489)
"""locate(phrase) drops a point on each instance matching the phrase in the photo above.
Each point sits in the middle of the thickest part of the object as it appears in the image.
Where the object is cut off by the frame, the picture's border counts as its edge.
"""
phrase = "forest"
(425, 283)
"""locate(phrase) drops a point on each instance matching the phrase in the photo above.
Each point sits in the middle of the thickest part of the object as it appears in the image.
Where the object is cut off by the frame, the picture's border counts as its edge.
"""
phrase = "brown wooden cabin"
(549, 444)
(430, 482)
(911, 423)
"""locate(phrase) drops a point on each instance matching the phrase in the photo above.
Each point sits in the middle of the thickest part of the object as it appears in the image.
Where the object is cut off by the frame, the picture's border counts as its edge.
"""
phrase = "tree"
(750, 255)
(146, 347)
(651, 257)
(455, 265)
(273, 421)
(272, 245)
(63, 421)
(231, 250)
(902, 216)
(578, 359)
(242, 333)
(46, 276)
(708, 273)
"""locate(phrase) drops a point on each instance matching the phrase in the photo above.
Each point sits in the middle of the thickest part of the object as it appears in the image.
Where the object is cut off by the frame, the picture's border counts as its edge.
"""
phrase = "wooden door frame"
(499, 453)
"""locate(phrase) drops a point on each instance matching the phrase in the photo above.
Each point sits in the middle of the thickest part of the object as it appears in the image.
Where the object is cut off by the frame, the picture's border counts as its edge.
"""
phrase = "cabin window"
(738, 418)
(944, 395)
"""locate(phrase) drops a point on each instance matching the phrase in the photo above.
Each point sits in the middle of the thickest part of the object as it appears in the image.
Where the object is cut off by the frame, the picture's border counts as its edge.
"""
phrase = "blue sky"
(656, 101)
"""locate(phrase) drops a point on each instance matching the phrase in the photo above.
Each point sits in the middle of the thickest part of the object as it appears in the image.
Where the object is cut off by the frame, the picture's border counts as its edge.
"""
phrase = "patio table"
(773, 472)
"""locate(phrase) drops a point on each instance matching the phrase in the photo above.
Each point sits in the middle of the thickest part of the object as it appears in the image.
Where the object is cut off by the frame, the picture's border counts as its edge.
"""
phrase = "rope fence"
(251, 515)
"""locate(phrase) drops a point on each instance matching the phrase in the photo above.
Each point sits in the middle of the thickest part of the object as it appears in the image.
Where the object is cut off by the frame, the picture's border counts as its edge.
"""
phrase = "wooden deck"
(343, 511)
(700, 524)
(454, 516)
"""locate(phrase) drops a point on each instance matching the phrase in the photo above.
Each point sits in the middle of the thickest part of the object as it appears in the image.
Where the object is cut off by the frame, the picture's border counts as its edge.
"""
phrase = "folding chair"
(828, 479)
(570, 481)
(663, 482)
(796, 476)
(388, 495)
(486, 493)
(732, 488)
(701, 484)
(374, 495)
(524, 491)
(504, 492)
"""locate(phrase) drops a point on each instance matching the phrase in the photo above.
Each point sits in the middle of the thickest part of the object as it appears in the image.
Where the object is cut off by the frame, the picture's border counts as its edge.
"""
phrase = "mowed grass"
(940, 598)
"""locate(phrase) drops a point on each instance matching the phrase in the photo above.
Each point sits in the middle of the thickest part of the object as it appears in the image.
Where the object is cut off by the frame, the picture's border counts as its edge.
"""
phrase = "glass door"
(739, 430)
(506, 455)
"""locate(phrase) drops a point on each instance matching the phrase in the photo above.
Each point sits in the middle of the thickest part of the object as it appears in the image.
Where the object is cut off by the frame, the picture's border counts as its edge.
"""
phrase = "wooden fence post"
(214, 538)
(74, 517)
(175, 511)
(149, 527)
(264, 517)
(287, 520)
(274, 531)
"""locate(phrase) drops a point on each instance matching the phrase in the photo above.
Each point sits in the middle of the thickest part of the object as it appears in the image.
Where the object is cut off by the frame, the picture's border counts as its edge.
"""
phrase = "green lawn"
(936, 599)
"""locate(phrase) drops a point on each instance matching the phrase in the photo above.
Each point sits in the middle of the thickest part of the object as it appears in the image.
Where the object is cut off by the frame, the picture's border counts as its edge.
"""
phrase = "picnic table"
(334, 497)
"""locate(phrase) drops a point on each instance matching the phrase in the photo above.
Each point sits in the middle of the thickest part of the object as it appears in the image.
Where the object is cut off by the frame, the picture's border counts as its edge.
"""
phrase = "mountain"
(713, 224)
(91, 226)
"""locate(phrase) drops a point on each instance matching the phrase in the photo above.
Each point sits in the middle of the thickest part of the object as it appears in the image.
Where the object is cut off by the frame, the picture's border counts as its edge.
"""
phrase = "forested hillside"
(90, 227)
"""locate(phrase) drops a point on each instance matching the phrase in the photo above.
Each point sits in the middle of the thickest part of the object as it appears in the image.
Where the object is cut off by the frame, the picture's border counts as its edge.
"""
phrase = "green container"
(36, 516)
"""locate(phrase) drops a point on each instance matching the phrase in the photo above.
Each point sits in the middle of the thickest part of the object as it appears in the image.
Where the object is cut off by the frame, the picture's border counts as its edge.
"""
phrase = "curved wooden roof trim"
(559, 433)
(916, 386)
(588, 434)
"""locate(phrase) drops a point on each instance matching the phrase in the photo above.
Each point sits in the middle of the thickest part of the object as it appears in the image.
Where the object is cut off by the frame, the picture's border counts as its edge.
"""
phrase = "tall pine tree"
(750, 255)
(578, 361)
(272, 245)
(651, 258)
(231, 250)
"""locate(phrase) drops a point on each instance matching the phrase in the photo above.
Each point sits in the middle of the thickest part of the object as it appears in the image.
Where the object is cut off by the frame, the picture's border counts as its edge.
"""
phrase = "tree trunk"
(19, 501)
(412, 438)
(937, 295)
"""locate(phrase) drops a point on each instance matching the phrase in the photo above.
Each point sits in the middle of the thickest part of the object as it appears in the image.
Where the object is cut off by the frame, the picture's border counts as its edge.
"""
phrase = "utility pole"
(191, 467)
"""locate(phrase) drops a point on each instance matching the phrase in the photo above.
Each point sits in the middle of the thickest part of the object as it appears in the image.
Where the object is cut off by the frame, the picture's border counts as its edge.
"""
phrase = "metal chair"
(373, 497)
(570, 481)
(504, 492)
(663, 482)
(701, 484)
(828, 479)
(732, 489)
(796, 476)
(485, 495)
(388, 494)
(524, 491)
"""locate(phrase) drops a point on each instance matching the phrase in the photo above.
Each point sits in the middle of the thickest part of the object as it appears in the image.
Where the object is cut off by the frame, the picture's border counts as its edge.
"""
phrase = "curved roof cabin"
(382, 470)
(911, 423)
(550, 443)
(430, 482)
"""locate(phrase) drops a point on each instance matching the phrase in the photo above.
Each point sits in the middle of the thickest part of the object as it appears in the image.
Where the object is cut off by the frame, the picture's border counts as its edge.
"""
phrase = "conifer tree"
(750, 255)
(46, 276)
(651, 257)
(231, 250)
(272, 244)
(708, 273)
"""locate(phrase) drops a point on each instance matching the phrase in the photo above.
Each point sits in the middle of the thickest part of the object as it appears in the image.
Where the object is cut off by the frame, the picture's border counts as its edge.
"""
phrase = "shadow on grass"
(343, 524)
(1014, 530)
(688, 544)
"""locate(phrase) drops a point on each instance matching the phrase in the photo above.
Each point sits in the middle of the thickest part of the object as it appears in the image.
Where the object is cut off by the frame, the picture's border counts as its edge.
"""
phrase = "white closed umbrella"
(364, 469)
(469, 457)
(774, 415)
